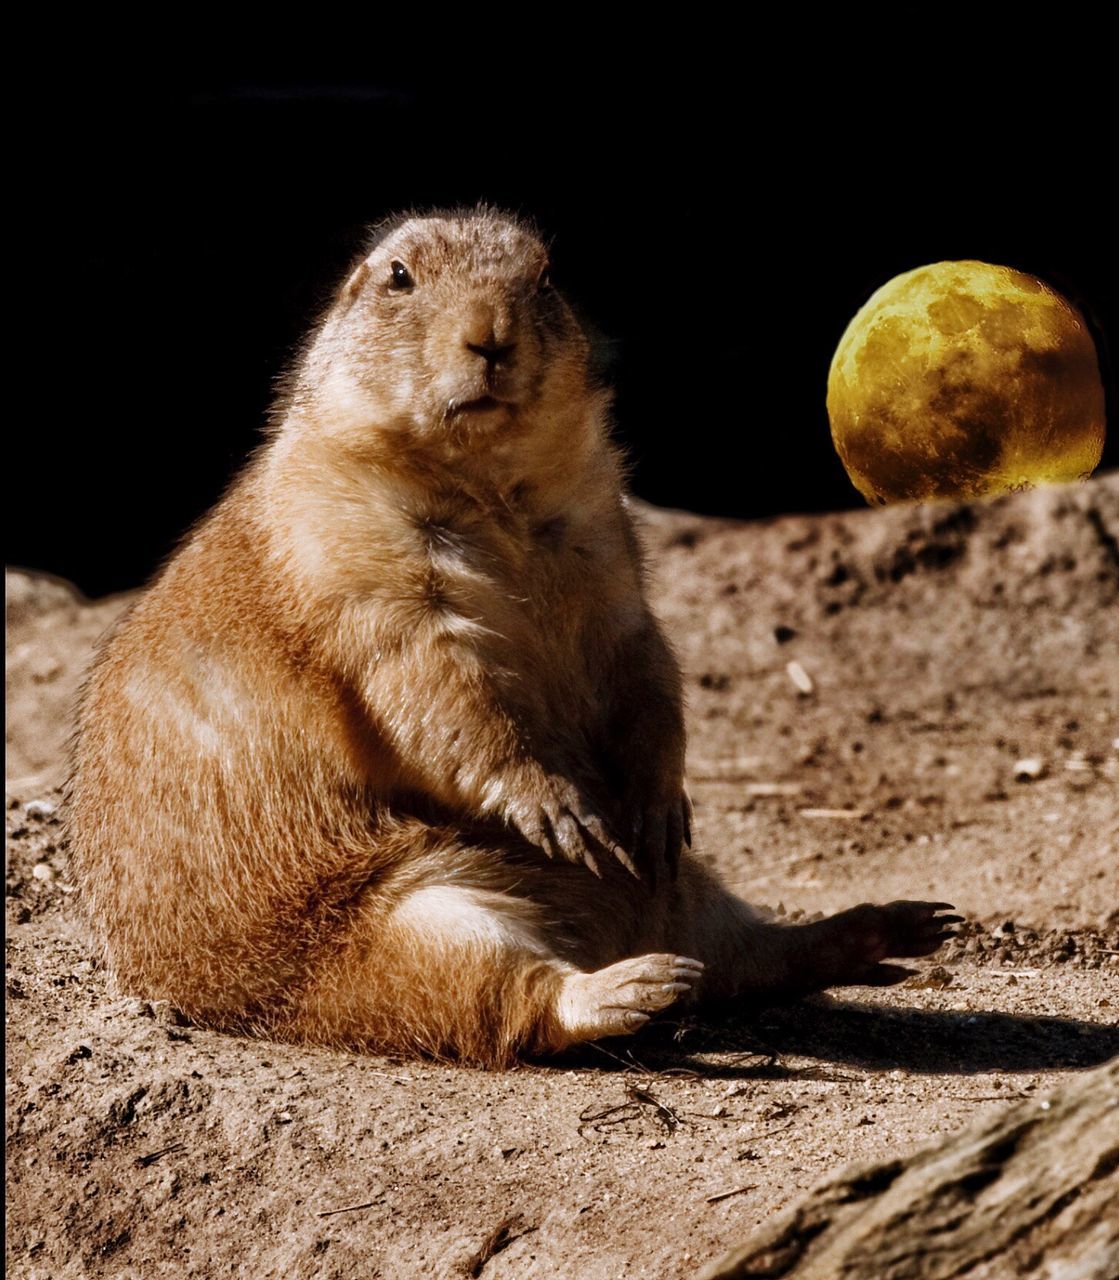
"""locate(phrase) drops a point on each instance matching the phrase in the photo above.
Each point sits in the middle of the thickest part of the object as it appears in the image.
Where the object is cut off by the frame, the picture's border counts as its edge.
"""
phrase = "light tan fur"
(390, 754)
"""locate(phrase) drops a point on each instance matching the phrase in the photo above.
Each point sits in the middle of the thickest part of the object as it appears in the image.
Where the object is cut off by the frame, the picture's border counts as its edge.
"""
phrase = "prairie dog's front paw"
(558, 819)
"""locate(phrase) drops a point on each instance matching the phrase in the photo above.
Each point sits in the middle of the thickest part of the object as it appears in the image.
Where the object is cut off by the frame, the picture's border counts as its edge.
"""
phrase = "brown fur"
(376, 758)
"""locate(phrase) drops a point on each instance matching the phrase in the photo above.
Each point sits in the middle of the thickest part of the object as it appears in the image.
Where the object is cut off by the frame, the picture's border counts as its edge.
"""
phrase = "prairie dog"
(390, 754)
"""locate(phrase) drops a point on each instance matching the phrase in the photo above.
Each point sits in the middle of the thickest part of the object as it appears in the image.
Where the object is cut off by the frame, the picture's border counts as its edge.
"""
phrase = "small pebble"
(935, 979)
(799, 677)
(41, 871)
(39, 808)
(1029, 769)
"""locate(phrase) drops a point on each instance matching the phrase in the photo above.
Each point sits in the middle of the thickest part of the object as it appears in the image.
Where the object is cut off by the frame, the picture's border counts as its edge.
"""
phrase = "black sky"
(183, 235)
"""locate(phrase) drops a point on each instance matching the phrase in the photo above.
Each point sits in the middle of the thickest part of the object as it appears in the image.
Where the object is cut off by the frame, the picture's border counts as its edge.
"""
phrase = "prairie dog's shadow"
(867, 1036)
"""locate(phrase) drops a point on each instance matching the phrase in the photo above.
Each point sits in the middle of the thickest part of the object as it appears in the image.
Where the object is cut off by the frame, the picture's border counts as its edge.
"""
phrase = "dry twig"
(623, 1112)
(726, 1195)
(350, 1208)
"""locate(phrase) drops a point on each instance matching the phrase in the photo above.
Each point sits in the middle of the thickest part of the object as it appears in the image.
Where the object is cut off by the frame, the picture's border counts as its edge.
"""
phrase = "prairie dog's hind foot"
(620, 999)
(849, 949)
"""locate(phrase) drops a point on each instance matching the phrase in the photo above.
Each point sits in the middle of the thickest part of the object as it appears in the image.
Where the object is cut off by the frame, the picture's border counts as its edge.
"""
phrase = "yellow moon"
(963, 379)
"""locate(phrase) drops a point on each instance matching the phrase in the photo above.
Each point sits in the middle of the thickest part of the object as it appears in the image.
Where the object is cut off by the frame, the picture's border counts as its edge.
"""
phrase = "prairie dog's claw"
(625, 860)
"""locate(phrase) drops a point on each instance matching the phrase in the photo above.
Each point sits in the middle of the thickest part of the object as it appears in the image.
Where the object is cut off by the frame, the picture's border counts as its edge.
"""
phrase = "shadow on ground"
(868, 1037)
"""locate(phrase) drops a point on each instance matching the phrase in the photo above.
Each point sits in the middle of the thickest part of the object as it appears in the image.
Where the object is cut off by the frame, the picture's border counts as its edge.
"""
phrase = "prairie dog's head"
(450, 328)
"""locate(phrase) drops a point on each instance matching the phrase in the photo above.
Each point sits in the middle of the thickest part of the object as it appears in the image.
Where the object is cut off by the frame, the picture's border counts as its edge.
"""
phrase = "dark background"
(186, 232)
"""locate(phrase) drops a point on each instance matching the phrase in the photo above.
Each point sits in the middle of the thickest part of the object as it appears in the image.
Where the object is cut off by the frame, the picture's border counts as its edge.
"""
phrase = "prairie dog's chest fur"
(554, 569)
(521, 576)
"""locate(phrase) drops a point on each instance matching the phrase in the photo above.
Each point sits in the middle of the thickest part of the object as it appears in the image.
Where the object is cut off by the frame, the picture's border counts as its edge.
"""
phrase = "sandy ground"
(937, 648)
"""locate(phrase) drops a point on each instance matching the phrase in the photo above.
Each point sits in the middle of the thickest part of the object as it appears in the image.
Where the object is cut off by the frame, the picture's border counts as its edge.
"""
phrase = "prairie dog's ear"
(352, 287)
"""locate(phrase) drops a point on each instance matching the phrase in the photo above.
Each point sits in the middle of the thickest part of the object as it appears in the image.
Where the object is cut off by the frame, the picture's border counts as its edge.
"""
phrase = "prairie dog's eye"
(400, 277)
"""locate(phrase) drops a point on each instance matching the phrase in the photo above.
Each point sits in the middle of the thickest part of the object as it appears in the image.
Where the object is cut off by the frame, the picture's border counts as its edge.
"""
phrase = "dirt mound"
(909, 702)
(51, 633)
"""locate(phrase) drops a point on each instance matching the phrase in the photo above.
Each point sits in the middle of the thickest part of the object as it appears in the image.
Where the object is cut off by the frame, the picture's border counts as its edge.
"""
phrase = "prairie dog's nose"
(488, 332)
(491, 352)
